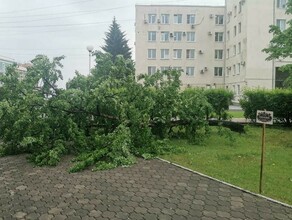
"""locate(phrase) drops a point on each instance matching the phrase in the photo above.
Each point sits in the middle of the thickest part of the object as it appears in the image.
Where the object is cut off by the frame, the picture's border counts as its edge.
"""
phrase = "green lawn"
(236, 160)
(236, 114)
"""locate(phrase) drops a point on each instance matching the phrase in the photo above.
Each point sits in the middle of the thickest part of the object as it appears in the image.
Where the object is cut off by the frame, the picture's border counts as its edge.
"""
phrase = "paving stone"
(147, 190)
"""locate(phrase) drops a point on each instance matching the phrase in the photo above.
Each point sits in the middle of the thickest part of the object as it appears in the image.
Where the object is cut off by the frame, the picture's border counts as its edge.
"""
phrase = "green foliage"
(281, 45)
(279, 101)
(220, 99)
(115, 42)
(106, 118)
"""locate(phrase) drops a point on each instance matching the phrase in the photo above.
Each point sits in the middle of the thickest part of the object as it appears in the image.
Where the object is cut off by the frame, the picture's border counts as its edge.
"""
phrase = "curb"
(228, 184)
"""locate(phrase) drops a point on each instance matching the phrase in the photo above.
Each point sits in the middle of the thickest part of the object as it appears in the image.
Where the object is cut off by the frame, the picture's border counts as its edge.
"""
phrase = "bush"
(279, 101)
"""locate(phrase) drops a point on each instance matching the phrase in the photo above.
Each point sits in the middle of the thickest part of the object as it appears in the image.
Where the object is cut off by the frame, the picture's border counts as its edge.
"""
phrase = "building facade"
(4, 62)
(214, 46)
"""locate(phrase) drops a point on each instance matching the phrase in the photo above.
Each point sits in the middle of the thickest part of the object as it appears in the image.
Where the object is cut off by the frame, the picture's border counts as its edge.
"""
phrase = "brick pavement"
(148, 190)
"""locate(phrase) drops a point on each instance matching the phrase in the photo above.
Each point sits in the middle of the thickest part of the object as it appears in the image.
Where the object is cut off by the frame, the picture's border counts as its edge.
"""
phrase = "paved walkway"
(148, 190)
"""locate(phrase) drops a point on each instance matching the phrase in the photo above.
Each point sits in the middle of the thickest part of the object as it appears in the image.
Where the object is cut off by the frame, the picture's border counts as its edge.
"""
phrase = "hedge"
(279, 101)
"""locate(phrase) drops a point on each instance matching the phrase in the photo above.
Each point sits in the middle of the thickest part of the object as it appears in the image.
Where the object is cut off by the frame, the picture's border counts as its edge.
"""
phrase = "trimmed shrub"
(279, 101)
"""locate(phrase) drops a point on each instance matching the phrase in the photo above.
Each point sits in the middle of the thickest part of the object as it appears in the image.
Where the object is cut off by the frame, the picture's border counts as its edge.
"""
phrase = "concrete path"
(148, 190)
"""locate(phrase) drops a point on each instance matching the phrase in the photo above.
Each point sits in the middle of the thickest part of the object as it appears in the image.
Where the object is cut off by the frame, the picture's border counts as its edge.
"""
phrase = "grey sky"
(55, 28)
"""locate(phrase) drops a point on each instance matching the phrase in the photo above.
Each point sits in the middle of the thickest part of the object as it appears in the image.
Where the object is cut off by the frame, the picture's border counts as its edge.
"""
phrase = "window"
(190, 53)
(164, 36)
(234, 50)
(239, 27)
(177, 68)
(234, 70)
(235, 11)
(281, 3)
(164, 19)
(239, 47)
(238, 68)
(164, 53)
(151, 53)
(227, 53)
(281, 23)
(191, 36)
(177, 53)
(218, 54)
(151, 70)
(177, 18)
(177, 36)
(228, 35)
(218, 36)
(219, 19)
(191, 19)
(151, 18)
(240, 7)
(238, 90)
(151, 35)
(190, 71)
(164, 68)
(234, 31)
(218, 71)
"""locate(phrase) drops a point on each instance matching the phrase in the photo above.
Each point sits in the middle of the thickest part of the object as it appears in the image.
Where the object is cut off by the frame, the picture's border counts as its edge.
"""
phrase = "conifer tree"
(115, 42)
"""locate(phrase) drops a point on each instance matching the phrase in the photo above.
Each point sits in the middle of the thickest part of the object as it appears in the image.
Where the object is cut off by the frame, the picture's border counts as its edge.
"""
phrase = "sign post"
(263, 117)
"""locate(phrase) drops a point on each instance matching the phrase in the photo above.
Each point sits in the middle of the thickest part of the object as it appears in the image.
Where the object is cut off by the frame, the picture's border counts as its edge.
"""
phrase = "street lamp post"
(90, 49)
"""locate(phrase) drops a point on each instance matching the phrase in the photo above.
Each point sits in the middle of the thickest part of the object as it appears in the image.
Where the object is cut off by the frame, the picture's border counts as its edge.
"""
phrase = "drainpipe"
(273, 61)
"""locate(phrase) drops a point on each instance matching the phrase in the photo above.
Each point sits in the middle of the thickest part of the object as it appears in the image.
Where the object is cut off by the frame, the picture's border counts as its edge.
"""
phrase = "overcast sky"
(55, 28)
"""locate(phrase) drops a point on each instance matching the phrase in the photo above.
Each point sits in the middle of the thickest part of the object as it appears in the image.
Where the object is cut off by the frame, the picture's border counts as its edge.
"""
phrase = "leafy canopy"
(281, 45)
(115, 42)
(105, 119)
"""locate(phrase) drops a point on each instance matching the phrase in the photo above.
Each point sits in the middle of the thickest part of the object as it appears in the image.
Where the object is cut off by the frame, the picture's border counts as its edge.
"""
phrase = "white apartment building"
(214, 46)
(4, 62)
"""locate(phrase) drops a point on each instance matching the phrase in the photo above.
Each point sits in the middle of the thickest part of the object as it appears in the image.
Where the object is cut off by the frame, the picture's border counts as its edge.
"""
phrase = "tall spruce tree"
(115, 42)
(281, 45)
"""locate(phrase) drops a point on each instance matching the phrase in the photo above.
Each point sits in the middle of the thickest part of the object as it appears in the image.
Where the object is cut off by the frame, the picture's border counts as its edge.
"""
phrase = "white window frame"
(238, 69)
(164, 54)
(152, 18)
(177, 19)
(219, 37)
(164, 36)
(190, 71)
(191, 36)
(219, 19)
(164, 19)
(177, 53)
(218, 54)
(177, 36)
(164, 68)
(239, 48)
(218, 71)
(151, 70)
(281, 4)
(234, 50)
(190, 54)
(281, 23)
(152, 54)
(191, 18)
(152, 36)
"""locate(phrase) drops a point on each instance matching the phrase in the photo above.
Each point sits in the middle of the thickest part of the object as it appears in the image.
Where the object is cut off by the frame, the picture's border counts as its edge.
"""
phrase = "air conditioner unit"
(193, 26)
(202, 71)
(205, 68)
(210, 33)
(158, 21)
(145, 22)
(200, 52)
(242, 63)
(211, 16)
(229, 13)
(184, 33)
(171, 34)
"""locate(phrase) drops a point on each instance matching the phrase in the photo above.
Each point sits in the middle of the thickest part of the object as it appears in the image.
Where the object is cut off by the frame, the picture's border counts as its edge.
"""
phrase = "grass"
(236, 114)
(235, 159)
